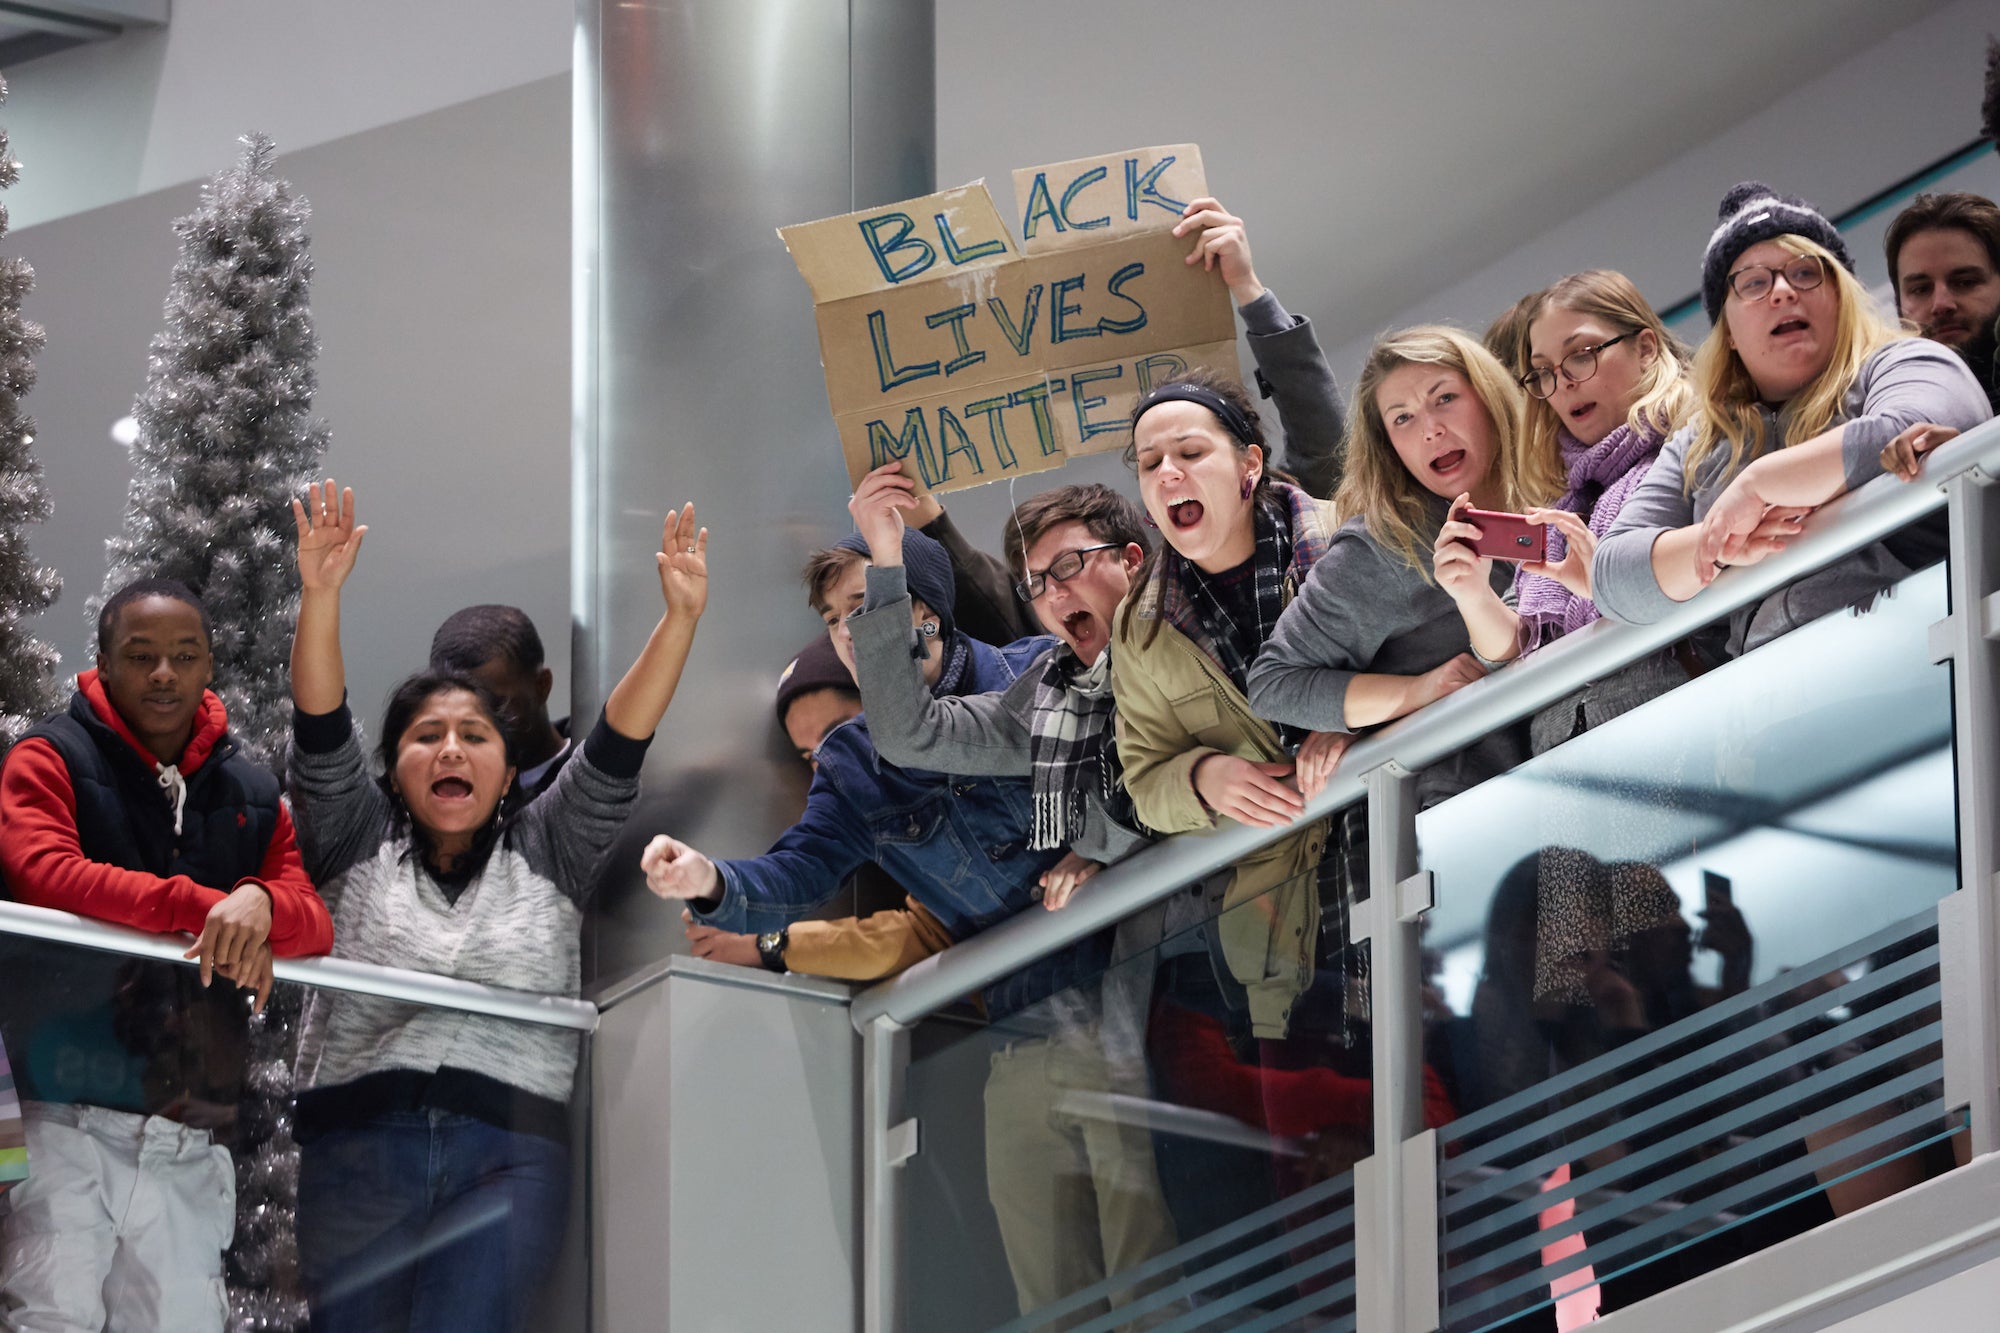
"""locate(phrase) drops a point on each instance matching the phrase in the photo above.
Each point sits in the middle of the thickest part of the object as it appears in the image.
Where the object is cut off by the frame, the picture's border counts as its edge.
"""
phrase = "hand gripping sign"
(972, 357)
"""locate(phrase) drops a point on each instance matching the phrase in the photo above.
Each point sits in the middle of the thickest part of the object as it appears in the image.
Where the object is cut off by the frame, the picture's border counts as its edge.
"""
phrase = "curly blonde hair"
(1376, 486)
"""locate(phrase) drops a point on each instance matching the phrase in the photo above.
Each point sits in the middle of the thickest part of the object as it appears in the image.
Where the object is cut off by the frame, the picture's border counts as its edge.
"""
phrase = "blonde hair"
(1727, 396)
(1666, 398)
(1376, 486)
(1507, 336)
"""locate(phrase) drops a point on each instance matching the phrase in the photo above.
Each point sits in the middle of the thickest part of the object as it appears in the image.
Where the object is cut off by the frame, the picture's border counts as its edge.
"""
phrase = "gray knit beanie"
(1754, 212)
(926, 567)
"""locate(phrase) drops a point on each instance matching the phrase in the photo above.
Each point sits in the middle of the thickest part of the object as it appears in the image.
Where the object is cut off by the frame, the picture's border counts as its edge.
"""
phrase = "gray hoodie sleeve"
(1621, 573)
(567, 832)
(1326, 637)
(976, 735)
(1295, 376)
(1908, 381)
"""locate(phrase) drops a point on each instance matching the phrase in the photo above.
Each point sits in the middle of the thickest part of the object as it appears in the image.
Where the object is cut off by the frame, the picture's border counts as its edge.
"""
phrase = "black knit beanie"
(926, 566)
(817, 667)
(1754, 212)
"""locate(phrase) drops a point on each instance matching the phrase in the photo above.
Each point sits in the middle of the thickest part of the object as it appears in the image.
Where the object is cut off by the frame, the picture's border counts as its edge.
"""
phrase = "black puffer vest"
(114, 1031)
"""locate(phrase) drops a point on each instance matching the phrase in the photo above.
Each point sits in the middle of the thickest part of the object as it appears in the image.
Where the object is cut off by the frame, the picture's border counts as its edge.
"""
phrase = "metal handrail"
(1515, 692)
(341, 974)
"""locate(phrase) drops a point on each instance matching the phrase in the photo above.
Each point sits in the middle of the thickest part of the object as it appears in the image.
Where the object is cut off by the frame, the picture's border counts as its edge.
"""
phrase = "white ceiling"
(1382, 152)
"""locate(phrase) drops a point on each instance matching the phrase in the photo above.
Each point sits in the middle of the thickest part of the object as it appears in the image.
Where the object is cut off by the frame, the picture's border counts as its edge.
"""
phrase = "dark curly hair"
(405, 702)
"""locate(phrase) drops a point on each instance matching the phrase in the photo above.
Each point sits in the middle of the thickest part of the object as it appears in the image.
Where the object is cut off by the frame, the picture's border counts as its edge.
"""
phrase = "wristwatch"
(771, 948)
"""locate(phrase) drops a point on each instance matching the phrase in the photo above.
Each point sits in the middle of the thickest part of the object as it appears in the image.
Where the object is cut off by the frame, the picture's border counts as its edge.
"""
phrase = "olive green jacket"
(1175, 708)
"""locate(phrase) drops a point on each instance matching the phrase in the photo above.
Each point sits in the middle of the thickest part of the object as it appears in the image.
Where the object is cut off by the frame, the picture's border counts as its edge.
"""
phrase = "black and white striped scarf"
(1071, 748)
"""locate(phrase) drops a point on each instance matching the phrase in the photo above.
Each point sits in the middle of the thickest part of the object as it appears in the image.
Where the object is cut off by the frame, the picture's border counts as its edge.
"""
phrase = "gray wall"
(442, 301)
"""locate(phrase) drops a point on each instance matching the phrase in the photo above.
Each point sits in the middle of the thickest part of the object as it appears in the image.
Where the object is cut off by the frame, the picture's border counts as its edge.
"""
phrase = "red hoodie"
(45, 865)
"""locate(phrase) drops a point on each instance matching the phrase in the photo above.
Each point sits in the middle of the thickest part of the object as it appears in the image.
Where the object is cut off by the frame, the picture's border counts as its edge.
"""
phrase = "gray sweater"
(1364, 609)
(515, 925)
(978, 735)
(1902, 383)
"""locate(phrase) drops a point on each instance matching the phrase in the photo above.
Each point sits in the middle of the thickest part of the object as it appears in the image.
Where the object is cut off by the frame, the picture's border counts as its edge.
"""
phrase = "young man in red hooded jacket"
(134, 807)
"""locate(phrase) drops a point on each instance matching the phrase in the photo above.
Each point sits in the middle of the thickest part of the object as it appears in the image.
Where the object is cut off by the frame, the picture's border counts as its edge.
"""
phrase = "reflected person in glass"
(434, 1163)
(1804, 392)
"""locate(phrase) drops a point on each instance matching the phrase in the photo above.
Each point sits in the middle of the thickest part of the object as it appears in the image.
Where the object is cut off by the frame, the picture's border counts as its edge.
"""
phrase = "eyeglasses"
(1753, 282)
(1062, 569)
(1579, 366)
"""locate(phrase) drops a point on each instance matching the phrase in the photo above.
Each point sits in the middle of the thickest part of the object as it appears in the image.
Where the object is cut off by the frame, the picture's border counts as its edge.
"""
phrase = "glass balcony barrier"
(1660, 997)
(170, 1173)
(1129, 1152)
(1683, 971)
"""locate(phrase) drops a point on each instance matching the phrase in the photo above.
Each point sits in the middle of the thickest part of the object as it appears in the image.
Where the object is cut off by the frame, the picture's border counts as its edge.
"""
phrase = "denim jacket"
(957, 844)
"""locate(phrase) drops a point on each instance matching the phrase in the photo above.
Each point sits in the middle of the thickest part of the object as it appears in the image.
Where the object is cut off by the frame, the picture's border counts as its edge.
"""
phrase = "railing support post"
(888, 1140)
(1395, 1189)
(1971, 637)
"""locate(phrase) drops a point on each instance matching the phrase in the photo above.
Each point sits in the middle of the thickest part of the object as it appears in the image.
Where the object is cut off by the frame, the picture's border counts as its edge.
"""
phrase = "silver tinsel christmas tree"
(28, 687)
(226, 437)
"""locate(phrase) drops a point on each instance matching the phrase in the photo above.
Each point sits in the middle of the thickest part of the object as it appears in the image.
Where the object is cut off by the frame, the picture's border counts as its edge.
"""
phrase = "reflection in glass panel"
(1130, 1153)
(1683, 979)
(136, 1083)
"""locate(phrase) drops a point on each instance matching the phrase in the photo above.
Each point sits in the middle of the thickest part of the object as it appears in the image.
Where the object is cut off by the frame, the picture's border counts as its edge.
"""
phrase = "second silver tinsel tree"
(227, 437)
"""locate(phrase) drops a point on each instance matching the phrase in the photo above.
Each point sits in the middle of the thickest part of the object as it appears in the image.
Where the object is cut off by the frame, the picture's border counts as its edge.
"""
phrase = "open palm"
(684, 562)
(328, 539)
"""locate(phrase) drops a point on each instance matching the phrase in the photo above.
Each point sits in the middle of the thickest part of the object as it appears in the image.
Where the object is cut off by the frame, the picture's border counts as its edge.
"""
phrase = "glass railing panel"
(138, 1084)
(1683, 971)
(1136, 1151)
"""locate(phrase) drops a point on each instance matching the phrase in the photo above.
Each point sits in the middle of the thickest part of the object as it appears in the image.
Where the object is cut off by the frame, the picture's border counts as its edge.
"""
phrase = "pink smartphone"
(1508, 536)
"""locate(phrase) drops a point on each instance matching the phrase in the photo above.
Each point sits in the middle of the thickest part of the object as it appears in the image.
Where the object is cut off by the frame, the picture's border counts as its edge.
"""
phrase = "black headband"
(1182, 392)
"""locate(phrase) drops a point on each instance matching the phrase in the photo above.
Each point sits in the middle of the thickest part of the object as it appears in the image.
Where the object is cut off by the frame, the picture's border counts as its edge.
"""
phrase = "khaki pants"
(120, 1226)
(1077, 1195)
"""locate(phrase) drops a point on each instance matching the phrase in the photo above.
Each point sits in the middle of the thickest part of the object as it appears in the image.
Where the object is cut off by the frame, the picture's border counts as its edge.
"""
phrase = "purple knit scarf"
(1611, 469)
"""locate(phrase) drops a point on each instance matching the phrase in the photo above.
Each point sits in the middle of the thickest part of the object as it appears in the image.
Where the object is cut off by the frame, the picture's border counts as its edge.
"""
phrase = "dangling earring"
(1249, 484)
(1151, 524)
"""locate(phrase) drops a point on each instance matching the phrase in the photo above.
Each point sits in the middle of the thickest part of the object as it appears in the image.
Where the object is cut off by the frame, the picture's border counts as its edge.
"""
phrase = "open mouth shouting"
(1448, 462)
(1184, 514)
(1788, 326)
(452, 788)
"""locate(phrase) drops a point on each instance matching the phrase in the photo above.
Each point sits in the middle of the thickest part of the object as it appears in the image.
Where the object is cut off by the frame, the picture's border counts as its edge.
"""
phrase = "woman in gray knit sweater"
(434, 1168)
(1371, 637)
(1804, 392)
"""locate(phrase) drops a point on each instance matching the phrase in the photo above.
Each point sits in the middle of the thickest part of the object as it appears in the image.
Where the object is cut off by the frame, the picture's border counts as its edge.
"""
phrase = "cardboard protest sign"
(972, 357)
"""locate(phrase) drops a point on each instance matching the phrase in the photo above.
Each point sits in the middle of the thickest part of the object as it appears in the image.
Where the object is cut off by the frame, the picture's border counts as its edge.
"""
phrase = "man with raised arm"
(134, 807)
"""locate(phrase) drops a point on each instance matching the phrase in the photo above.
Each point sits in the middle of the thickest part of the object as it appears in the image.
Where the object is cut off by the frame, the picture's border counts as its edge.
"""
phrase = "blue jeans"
(426, 1220)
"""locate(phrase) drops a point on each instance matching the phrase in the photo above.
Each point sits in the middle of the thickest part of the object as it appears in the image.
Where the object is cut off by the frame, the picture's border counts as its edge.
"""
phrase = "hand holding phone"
(1504, 536)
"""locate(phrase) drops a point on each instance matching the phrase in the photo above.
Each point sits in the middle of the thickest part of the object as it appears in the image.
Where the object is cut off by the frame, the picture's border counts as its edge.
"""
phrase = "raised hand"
(676, 870)
(1579, 546)
(328, 539)
(878, 505)
(1249, 793)
(1065, 877)
(1318, 754)
(683, 561)
(1221, 241)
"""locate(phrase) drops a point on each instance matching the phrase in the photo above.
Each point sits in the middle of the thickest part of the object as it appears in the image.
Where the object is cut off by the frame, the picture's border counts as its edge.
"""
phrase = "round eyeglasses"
(1578, 366)
(1062, 569)
(1753, 282)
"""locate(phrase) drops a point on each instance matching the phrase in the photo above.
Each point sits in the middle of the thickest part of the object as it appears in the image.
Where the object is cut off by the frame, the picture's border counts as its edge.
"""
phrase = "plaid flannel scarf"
(1230, 644)
(1071, 748)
